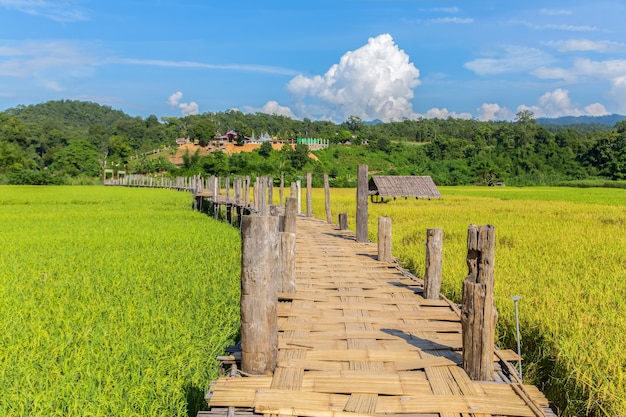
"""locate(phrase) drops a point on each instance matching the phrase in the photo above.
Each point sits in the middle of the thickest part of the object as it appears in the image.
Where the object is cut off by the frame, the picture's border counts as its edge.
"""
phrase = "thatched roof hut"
(402, 186)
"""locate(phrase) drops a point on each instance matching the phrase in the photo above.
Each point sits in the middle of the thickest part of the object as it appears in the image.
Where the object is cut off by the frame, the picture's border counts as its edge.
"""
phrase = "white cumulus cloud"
(493, 111)
(436, 113)
(273, 107)
(558, 103)
(375, 81)
(186, 109)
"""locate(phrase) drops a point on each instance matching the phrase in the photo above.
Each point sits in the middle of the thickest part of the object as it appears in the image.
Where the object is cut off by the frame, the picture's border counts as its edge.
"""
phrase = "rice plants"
(114, 301)
(562, 249)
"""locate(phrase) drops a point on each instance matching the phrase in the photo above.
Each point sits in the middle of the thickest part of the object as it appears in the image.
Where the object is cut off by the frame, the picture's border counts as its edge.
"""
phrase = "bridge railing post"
(329, 216)
(432, 276)
(260, 269)
(384, 239)
(309, 194)
(478, 313)
(361, 204)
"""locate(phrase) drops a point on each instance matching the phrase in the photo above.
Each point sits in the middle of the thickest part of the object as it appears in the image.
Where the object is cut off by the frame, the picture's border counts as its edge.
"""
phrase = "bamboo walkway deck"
(357, 339)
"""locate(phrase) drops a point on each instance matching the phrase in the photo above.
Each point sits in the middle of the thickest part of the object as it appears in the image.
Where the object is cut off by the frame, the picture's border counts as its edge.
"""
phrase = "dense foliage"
(57, 140)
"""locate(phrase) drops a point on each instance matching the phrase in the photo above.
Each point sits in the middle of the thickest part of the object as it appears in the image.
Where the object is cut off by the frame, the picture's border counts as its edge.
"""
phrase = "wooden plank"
(452, 404)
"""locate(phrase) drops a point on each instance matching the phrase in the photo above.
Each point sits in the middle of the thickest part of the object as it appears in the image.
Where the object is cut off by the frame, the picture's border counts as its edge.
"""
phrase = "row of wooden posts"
(268, 260)
(269, 256)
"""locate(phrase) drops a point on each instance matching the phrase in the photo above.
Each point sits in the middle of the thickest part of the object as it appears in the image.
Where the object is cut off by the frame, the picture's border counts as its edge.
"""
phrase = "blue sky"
(375, 59)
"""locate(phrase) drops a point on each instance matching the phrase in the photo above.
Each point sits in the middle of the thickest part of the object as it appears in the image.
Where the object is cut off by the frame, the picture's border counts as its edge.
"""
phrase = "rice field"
(562, 249)
(116, 301)
(113, 301)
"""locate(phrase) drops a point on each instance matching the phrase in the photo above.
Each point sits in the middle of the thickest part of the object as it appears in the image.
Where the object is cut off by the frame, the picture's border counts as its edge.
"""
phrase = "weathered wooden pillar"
(281, 194)
(384, 239)
(237, 190)
(309, 194)
(227, 189)
(270, 191)
(287, 281)
(255, 191)
(293, 189)
(478, 313)
(329, 216)
(263, 206)
(246, 192)
(432, 277)
(291, 213)
(260, 243)
(343, 221)
(299, 195)
(361, 204)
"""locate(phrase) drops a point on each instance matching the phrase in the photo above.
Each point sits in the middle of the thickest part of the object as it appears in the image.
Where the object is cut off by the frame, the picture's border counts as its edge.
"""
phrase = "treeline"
(57, 141)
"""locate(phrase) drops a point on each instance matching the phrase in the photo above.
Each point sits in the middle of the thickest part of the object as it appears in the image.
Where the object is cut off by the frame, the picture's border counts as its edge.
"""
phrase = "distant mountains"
(608, 120)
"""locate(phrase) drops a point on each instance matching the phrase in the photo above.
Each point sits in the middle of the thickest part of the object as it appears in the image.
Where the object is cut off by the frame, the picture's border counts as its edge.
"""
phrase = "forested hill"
(58, 141)
(69, 114)
(608, 121)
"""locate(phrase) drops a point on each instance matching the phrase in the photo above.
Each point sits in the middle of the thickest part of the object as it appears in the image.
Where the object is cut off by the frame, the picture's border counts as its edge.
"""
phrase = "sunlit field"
(562, 249)
(113, 301)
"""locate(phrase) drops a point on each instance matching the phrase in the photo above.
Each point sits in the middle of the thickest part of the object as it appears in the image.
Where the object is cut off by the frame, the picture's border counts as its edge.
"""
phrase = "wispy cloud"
(442, 10)
(550, 26)
(457, 20)
(583, 45)
(513, 59)
(555, 12)
(192, 64)
(58, 10)
(37, 59)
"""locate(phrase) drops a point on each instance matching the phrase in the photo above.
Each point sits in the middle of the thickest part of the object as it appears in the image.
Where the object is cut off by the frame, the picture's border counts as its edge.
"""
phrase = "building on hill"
(394, 186)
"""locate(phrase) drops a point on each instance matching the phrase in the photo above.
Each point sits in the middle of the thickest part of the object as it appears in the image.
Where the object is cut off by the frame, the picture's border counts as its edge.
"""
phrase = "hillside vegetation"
(60, 141)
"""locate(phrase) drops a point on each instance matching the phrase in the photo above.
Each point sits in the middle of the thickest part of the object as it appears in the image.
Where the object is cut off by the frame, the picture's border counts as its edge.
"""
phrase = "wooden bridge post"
(263, 207)
(260, 245)
(343, 221)
(329, 216)
(287, 281)
(255, 192)
(432, 277)
(309, 194)
(291, 213)
(216, 194)
(384, 239)
(270, 191)
(478, 313)
(246, 192)
(361, 204)
(281, 193)
(299, 195)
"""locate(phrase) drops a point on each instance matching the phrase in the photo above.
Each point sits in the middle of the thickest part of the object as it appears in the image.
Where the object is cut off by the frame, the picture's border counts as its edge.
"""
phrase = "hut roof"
(403, 186)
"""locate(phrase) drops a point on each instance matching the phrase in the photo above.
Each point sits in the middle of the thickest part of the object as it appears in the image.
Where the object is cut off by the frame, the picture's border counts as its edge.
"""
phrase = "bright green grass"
(113, 301)
(562, 249)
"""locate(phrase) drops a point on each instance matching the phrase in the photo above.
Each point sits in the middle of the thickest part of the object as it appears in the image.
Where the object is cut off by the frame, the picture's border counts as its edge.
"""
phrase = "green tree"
(266, 149)
(203, 131)
(79, 157)
(300, 156)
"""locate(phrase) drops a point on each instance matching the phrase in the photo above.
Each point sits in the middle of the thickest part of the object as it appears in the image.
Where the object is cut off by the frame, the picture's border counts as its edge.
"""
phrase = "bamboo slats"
(357, 339)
